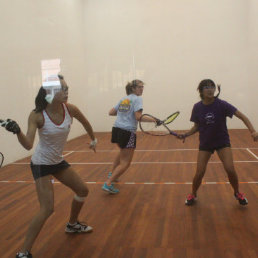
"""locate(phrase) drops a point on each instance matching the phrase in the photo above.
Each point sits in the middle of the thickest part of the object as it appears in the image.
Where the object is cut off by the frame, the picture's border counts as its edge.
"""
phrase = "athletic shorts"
(44, 170)
(215, 148)
(125, 139)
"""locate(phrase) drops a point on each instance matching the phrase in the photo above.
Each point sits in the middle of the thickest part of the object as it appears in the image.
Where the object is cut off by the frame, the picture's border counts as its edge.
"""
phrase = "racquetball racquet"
(3, 122)
(1, 159)
(156, 127)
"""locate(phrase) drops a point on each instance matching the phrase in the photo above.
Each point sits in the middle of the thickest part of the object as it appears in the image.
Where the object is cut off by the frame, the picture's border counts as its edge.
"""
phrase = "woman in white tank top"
(53, 122)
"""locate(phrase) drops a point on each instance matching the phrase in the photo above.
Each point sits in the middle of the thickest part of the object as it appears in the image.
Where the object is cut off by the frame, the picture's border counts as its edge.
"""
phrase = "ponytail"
(40, 101)
(218, 90)
(130, 86)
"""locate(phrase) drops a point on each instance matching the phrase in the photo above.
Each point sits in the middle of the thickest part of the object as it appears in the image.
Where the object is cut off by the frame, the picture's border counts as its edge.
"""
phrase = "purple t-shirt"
(211, 119)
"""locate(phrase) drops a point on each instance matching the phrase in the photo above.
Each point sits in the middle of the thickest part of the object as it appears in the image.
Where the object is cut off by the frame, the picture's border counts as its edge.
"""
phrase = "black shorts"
(44, 170)
(125, 139)
(214, 148)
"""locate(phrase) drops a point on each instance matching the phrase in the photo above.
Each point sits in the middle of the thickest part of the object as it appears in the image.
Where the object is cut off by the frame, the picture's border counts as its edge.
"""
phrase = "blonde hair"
(132, 85)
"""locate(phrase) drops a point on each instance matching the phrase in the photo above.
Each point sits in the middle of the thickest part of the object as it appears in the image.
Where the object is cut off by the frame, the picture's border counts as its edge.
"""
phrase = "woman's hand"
(181, 136)
(11, 126)
(255, 136)
(93, 144)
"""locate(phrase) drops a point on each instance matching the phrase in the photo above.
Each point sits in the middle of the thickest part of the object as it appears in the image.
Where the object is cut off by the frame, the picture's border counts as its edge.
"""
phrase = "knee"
(83, 192)
(229, 167)
(81, 195)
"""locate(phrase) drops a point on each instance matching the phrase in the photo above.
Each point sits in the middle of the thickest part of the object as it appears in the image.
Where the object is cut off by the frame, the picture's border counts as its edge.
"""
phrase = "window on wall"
(50, 69)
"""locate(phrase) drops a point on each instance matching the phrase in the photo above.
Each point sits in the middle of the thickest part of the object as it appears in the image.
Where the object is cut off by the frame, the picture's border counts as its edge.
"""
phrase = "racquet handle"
(2, 122)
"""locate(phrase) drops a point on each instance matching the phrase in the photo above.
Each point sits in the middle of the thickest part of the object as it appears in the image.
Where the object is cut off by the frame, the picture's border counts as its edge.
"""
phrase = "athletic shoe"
(27, 254)
(110, 188)
(78, 228)
(110, 174)
(241, 198)
(190, 199)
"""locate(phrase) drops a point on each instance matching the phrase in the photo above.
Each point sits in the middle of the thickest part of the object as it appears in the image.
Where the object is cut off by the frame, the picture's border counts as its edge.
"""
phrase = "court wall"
(32, 31)
(170, 44)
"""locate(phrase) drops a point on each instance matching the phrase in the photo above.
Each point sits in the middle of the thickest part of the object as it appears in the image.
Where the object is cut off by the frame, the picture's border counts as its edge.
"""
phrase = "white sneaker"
(78, 228)
(27, 254)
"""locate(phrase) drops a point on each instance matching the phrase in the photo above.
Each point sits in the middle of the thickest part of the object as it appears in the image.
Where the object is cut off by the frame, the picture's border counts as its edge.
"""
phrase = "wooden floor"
(148, 217)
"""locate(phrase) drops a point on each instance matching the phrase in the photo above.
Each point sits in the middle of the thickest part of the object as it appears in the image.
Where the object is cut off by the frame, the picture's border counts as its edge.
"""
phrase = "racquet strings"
(152, 128)
(171, 118)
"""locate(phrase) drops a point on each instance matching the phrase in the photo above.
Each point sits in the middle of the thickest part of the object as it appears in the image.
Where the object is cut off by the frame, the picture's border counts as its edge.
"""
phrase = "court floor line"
(70, 152)
(163, 150)
(144, 162)
(131, 183)
(251, 153)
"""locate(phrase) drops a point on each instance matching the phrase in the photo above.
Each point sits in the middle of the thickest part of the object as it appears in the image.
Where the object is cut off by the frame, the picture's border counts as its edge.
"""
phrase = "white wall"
(173, 44)
(251, 89)
(32, 30)
(170, 44)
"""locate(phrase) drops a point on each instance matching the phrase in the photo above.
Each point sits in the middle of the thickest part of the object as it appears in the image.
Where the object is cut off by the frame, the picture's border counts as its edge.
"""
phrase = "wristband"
(94, 142)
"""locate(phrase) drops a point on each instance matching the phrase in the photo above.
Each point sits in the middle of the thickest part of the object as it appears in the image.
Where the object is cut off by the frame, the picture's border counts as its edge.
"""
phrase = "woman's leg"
(46, 199)
(226, 158)
(202, 161)
(116, 161)
(71, 179)
(115, 164)
(126, 156)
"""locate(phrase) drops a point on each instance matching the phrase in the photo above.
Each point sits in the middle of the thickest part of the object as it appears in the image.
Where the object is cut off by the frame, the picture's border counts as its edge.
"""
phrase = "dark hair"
(132, 85)
(207, 82)
(40, 102)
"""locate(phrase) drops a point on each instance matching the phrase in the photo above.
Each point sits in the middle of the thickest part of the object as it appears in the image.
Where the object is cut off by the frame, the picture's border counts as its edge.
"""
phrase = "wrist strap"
(94, 142)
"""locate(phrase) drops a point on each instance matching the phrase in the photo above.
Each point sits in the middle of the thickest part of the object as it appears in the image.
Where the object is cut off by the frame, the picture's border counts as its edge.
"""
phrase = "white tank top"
(52, 139)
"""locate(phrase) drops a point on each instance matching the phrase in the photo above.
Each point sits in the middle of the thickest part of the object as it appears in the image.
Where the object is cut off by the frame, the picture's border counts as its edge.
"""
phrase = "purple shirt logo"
(209, 117)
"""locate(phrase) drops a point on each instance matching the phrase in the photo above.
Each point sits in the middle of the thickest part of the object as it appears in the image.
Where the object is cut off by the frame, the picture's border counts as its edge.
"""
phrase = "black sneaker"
(78, 228)
(241, 198)
(27, 254)
(190, 199)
